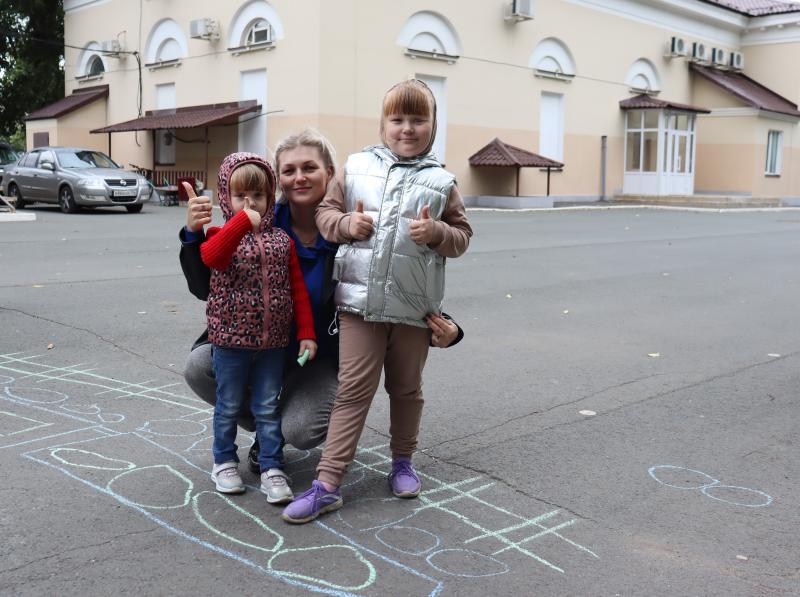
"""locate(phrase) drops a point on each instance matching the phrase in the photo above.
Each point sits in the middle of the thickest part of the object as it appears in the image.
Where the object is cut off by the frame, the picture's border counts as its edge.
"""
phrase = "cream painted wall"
(773, 65)
(337, 59)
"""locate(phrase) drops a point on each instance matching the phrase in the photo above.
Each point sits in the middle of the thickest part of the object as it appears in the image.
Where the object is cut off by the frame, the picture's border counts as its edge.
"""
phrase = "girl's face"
(303, 175)
(255, 199)
(407, 135)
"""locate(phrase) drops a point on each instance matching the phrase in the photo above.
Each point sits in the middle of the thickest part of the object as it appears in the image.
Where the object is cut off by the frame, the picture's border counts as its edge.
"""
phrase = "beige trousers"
(364, 349)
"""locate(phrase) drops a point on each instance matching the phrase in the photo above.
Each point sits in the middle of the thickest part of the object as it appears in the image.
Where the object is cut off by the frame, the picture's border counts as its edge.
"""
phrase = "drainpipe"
(603, 161)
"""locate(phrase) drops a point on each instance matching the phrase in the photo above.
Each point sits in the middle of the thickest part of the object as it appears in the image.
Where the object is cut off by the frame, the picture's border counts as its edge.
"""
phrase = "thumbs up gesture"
(360, 225)
(198, 209)
(423, 229)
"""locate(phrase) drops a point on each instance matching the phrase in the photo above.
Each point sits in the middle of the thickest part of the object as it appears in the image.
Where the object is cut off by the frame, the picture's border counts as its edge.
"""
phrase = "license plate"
(125, 193)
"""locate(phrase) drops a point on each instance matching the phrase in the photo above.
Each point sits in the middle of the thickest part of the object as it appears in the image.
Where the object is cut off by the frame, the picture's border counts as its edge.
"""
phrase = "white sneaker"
(226, 477)
(275, 483)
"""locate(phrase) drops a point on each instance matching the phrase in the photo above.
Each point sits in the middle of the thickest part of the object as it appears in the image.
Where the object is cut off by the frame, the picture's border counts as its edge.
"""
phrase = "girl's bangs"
(248, 177)
(407, 98)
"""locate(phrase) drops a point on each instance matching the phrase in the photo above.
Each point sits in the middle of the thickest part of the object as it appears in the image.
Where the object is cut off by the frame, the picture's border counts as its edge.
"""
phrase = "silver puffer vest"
(389, 277)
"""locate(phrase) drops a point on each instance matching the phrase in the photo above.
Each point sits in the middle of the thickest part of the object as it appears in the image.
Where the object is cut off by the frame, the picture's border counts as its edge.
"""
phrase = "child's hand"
(360, 225)
(311, 346)
(423, 229)
(198, 211)
(255, 218)
(443, 331)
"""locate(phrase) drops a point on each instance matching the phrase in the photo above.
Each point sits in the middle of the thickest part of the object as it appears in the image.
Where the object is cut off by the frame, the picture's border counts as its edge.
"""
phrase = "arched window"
(96, 66)
(428, 34)
(165, 44)
(552, 59)
(642, 77)
(90, 63)
(255, 26)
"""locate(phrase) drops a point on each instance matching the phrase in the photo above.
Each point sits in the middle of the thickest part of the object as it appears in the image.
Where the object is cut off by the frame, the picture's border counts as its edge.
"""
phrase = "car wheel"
(66, 201)
(134, 209)
(14, 190)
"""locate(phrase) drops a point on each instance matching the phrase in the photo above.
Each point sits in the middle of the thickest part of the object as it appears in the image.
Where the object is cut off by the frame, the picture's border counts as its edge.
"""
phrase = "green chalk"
(303, 358)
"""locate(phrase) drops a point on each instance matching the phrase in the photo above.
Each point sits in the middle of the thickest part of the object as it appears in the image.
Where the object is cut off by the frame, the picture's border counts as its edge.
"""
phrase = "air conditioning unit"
(204, 29)
(700, 52)
(737, 61)
(519, 10)
(110, 47)
(677, 46)
(719, 58)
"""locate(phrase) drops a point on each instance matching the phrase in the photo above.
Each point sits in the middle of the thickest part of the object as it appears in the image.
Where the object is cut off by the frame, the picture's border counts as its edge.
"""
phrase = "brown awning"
(497, 153)
(746, 89)
(645, 102)
(185, 118)
(78, 99)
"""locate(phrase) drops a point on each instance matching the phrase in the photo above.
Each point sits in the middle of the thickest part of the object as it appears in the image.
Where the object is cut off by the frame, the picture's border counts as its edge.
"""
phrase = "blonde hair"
(248, 177)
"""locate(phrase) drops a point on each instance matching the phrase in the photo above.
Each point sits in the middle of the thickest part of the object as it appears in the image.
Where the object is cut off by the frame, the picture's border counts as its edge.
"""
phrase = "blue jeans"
(262, 370)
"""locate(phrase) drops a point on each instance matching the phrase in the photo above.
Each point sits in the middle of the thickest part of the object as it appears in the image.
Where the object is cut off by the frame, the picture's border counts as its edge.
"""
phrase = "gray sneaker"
(275, 483)
(226, 477)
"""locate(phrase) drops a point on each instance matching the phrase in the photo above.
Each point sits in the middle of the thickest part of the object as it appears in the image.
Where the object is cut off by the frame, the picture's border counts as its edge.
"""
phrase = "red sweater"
(217, 252)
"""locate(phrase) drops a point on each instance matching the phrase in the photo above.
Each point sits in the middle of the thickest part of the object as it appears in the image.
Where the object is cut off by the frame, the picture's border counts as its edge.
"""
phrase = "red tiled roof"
(757, 8)
(747, 90)
(497, 153)
(184, 118)
(645, 102)
(78, 99)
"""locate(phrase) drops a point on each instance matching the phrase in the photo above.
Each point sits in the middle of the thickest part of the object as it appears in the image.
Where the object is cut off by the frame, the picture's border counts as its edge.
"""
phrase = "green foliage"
(31, 72)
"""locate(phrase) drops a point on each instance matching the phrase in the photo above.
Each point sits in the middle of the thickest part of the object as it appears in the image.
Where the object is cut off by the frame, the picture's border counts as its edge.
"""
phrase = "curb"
(17, 217)
(655, 207)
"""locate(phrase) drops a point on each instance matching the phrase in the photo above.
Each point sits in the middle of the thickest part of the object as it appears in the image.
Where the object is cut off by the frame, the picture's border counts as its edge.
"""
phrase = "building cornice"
(76, 5)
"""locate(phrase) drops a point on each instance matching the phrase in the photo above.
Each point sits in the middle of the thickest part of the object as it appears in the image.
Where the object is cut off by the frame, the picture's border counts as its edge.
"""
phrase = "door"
(48, 179)
(26, 178)
(679, 155)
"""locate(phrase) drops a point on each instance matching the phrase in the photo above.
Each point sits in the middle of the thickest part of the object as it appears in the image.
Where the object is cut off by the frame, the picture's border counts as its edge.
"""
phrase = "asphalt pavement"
(620, 419)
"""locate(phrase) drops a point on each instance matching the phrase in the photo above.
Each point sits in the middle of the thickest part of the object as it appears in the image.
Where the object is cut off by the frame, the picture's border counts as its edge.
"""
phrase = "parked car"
(7, 156)
(75, 178)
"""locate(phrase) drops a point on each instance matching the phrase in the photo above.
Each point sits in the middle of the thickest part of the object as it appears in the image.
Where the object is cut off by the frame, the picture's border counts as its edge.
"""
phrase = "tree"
(31, 59)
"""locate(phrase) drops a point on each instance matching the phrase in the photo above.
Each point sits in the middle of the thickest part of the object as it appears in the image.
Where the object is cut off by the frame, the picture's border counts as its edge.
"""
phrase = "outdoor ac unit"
(700, 52)
(677, 46)
(110, 47)
(204, 29)
(519, 10)
(719, 57)
(737, 61)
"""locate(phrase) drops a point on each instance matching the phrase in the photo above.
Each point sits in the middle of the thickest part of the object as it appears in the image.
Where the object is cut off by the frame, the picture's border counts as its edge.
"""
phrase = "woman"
(305, 163)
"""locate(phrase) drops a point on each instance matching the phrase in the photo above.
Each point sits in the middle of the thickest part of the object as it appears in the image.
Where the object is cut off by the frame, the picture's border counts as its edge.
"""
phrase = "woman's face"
(303, 175)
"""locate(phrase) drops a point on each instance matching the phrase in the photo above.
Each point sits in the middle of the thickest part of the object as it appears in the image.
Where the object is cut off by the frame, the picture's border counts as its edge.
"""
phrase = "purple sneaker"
(312, 503)
(403, 479)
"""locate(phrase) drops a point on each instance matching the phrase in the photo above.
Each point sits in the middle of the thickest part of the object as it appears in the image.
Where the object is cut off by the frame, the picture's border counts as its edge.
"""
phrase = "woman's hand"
(443, 331)
(198, 211)
(360, 225)
(311, 346)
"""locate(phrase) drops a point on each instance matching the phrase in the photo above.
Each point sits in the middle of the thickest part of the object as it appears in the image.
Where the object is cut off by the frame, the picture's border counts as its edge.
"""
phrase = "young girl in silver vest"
(397, 215)
(257, 288)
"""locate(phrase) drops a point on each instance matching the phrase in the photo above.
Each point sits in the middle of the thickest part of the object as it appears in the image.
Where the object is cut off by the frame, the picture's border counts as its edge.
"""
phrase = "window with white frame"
(641, 141)
(551, 126)
(260, 32)
(427, 34)
(774, 151)
(166, 43)
(96, 67)
(552, 59)
(165, 138)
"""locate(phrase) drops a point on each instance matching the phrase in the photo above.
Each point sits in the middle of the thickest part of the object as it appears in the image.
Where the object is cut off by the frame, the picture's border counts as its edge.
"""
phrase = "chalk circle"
(82, 409)
(327, 560)
(293, 455)
(173, 427)
(700, 480)
(759, 498)
(37, 395)
(151, 481)
(466, 563)
(251, 521)
(393, 536)
(111, 418)
(5, 380)
(87, 459)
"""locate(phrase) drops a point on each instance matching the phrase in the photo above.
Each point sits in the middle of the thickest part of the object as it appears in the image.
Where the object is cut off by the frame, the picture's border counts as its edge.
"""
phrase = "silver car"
(74, 178)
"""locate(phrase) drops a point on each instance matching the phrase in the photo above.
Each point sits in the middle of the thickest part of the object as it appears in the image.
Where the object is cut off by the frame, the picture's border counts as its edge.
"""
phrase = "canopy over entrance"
(185, 118)
(500, 154)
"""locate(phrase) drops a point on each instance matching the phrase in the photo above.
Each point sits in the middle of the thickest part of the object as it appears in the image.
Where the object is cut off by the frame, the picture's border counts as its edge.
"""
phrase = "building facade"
(656, 97)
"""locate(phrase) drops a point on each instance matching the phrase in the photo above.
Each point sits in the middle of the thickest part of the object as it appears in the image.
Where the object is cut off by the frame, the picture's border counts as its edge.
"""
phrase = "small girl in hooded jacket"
(257, 290)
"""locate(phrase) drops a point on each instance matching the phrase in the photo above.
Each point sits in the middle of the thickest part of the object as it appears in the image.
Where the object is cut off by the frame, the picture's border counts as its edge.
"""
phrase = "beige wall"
(337, 59)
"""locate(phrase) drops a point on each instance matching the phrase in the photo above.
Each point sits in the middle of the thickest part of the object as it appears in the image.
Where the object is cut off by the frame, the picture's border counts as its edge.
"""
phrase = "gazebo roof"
(497, 153)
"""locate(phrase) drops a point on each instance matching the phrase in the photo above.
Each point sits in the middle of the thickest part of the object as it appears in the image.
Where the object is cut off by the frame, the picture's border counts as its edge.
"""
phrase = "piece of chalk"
(302, 359)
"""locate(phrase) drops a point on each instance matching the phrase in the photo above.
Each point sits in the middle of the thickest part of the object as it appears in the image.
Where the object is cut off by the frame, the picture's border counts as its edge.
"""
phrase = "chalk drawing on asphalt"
(146, 446)
(709, 486)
